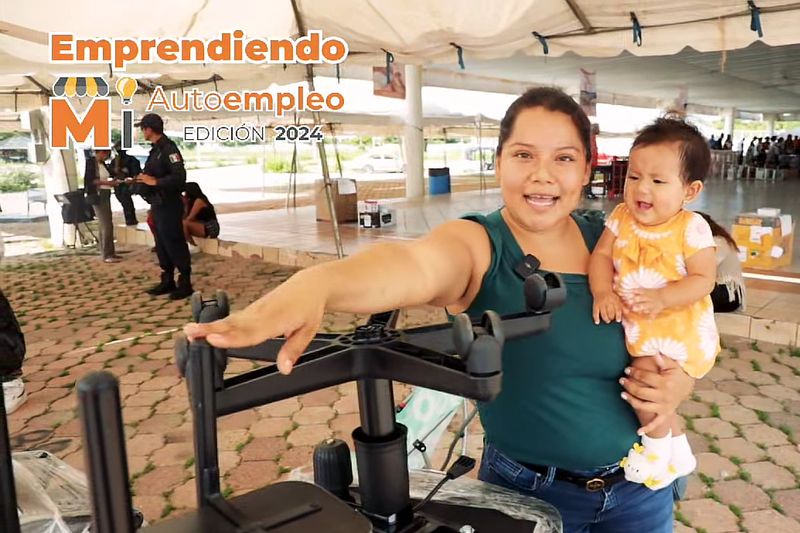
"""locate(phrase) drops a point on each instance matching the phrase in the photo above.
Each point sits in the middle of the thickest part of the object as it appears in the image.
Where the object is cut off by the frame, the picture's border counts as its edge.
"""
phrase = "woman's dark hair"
(551, 99)
(695, 154)
(717, 230)
(193, 192)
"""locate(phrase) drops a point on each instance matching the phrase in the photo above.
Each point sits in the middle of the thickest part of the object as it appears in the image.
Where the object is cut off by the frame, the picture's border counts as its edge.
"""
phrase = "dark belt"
(592, 484)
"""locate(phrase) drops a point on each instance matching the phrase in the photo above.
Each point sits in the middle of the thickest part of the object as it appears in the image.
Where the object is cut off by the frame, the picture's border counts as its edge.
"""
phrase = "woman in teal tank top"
(562, 421)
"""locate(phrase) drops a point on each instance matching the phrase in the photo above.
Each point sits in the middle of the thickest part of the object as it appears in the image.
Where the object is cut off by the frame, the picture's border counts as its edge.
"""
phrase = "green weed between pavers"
(787, 431)
(682, 519)
(707, 480)
(241, 445)
(149, 467)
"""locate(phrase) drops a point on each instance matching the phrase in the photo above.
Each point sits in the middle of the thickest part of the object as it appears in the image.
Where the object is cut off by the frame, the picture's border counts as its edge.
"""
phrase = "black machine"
(76, 211)
(462, 358)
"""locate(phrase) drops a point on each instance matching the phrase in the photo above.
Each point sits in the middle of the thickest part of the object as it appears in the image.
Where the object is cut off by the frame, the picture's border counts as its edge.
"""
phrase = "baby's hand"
(607, 306)
(645, 301)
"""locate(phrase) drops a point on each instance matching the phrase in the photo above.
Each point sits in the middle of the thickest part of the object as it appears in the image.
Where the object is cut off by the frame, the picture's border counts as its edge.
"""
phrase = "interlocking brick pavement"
(81, 315)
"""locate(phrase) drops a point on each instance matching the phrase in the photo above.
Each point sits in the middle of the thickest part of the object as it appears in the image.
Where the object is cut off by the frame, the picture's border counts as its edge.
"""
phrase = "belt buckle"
(595, 484)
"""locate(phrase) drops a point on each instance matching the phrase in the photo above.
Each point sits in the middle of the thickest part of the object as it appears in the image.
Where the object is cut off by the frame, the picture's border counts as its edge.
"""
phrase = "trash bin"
(439, 180)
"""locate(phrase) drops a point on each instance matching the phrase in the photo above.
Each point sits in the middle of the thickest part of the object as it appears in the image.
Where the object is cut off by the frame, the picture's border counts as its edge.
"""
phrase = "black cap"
(150, 120)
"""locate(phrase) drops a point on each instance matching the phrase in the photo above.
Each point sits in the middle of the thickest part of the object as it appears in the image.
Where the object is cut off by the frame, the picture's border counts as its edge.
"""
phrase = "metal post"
(376, 405)
(9, 519)
(413, 138)
(336, 149)
(202, 396)
(104, 452)
(480, 151)
(337, 237)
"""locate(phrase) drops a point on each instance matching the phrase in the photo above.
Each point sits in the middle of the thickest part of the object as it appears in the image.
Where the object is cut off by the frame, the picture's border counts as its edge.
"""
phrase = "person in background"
(729, 291)
(773, 153)
(125, 167)
(788, 146)
(200, 218)
(98, 184)
(595, 132)
(165, 173)
(751, 153)
(728, 144)
(12, 353)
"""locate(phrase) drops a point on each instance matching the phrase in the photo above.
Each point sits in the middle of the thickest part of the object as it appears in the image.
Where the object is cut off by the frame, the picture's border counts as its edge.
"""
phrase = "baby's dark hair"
(695, 155)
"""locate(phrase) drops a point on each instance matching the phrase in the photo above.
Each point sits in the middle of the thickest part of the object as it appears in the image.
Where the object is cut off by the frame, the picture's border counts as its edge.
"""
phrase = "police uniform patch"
(175, 158)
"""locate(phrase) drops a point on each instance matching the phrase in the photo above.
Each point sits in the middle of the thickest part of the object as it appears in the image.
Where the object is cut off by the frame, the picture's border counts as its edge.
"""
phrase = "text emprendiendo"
(228, 48)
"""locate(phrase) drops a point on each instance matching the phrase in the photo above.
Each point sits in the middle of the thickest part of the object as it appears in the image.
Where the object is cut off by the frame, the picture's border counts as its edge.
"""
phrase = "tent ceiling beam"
(23, 33)
(44, 89)
(744, 13)
(578, 12)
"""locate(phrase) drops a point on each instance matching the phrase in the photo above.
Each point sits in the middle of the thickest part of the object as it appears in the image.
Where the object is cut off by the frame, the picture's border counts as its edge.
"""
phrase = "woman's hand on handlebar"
(293, 310)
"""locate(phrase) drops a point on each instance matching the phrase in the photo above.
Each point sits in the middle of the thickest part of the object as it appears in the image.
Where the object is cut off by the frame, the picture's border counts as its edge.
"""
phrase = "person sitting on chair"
(200, 218)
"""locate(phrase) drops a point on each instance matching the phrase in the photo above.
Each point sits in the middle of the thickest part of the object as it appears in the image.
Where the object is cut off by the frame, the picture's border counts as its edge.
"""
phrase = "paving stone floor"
(80, 315)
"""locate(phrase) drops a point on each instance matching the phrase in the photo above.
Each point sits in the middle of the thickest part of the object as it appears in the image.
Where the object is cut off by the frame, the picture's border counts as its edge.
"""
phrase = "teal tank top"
(560, 403)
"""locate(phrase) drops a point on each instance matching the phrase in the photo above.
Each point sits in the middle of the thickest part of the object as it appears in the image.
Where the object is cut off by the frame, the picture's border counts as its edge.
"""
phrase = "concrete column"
(770, 119)
(729, 116)
(412, 135)
(59, 173)
(60, 176)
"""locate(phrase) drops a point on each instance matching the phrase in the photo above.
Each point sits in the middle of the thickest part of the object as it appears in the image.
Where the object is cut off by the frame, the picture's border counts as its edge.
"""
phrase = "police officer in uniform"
(165, 175)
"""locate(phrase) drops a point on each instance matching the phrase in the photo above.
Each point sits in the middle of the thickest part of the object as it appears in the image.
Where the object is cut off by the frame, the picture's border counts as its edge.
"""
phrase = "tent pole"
(337, 237)
(336, 149)
(480, 151)
(444, 131)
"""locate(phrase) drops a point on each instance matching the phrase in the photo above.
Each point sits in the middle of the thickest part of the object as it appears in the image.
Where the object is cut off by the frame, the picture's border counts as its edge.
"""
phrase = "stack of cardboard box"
(765, 238)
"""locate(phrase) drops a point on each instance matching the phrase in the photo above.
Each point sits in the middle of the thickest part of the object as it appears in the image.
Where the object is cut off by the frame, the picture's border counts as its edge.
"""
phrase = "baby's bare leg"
(662, 430)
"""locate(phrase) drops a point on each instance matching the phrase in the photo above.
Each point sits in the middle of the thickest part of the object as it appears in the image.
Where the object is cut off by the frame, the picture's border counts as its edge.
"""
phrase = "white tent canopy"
(414, 31)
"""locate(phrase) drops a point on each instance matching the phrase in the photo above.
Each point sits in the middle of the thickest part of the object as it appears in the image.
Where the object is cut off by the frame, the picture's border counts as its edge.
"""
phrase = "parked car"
(379, 162)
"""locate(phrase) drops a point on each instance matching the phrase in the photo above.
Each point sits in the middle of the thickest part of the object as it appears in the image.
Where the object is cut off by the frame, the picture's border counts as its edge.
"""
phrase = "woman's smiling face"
(542, 169)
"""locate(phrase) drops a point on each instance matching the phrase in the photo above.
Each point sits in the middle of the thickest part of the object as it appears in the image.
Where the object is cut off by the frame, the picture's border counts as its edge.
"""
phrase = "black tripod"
(461, 358)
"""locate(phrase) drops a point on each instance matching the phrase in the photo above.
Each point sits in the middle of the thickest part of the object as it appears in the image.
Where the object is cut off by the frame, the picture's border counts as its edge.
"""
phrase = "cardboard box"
(381, 219)
(345, 200)
(764, 241)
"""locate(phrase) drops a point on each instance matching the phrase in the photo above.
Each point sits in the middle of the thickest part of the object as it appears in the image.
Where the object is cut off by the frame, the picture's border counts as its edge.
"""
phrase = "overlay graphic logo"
(93, 126)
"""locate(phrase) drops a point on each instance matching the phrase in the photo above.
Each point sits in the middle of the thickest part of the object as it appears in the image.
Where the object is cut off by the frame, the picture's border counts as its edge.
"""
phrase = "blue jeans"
(622, 508)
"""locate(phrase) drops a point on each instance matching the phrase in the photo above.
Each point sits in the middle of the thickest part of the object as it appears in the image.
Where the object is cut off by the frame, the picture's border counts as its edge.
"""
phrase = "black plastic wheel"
(197, 305)
(463, 334)
(535, 292)
(493, 324)
(223, 304)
